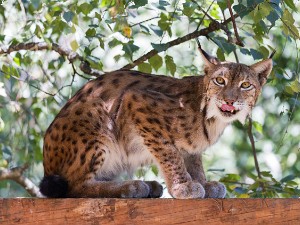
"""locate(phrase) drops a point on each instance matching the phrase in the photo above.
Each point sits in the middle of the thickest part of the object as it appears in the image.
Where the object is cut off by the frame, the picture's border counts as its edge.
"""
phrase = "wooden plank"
(149, 211)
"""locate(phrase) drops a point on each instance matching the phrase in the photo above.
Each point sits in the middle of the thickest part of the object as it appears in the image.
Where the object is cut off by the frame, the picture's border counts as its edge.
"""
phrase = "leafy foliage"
(112, 34)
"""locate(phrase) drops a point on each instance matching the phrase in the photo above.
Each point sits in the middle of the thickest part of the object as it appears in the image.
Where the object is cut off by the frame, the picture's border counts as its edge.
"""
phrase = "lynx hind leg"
(156, 189)
(111, 189)
(102, 164)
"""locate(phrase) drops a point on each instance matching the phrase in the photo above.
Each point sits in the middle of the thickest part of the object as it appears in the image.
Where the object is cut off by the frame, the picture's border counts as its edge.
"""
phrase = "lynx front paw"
(135, 189)
(214, 189)
(189, 189)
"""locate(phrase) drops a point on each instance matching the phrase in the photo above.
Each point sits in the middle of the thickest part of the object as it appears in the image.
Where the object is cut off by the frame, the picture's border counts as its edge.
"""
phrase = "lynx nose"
(229, 101)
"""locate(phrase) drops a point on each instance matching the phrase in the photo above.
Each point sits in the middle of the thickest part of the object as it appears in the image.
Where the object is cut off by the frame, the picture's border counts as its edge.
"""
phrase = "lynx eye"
(246, 85)
(219, 81)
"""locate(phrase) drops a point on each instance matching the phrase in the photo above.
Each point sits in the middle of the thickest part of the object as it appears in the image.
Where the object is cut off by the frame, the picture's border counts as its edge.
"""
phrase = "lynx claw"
(186, 190)
(214, 189)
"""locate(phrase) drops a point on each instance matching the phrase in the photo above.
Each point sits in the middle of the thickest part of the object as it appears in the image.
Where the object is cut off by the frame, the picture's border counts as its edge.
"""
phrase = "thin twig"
(238, 39)
(38, 46)
(250, 135)
(16, 174)
(205, 12)
(147, 20)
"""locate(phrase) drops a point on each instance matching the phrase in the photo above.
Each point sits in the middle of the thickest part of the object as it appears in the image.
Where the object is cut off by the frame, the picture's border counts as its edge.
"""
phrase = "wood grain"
(149, 211)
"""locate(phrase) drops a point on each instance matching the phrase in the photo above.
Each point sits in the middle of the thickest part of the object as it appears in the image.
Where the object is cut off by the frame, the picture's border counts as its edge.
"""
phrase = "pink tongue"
(229, 108)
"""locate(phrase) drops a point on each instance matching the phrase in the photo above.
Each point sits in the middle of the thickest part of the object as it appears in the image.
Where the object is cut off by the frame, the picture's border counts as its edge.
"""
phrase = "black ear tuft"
(54, 186)
(209, 60)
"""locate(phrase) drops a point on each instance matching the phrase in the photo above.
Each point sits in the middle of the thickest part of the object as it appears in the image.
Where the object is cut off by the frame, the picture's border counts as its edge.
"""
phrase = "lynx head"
(232, 88)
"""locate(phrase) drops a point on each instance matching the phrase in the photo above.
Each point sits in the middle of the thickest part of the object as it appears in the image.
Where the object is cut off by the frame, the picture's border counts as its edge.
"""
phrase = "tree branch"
(39, 46)
(250, 135)
(16, 174)
(213, 26)
(238, 39)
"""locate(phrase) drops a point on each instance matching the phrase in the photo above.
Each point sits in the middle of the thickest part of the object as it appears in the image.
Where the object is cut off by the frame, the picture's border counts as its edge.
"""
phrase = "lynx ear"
(263, 69)
(209, 61)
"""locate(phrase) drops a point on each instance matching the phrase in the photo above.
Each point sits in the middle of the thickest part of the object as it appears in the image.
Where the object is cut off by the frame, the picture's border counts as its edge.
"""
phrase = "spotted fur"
(125, 119)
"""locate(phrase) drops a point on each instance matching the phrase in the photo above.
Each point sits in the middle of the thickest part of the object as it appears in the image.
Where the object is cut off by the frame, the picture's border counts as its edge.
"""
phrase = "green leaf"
(254, 186)
(2, 37)
(171, 66)
(145, 67)
(98, 16)
(90, 32)
(256, 54)
(289, 28)
(252, 176)
(265, 9)
(160, 47)
(258, 127)
(74, 45)
(230, 178)
(266, 174)
(155, 170)
(156, 62)
(68, 16)
(164, 23)
(220, 54)
(114, 42)
(224, 45)
(241, 9)
(85, 8)
(287, 178)
(6, 153)
(95, 64)
(18, 58)
(264, 51)
(139, 3)
(156, 30)
(188, 8)
(295, 85)
(129, 48)
(291, 4)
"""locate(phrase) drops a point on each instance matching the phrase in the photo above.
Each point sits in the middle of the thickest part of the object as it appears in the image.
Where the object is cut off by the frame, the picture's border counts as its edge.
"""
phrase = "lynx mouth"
(228, 110)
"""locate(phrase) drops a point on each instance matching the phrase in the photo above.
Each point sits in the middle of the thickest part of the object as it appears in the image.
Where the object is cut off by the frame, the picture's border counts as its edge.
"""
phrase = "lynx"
(125, 119)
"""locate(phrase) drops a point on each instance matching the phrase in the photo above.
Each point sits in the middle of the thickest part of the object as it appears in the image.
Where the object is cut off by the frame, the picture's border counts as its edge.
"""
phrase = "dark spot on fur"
(82, 158)
(90, 90)
(65, 126)
(63, 137)
(129, 105)
(105, 95)
(82, 134)
(134, 98)
(116, 82)
(141, 110)
(75, 150)
(154, 104)
(187, 135)
(56, 126)
(99, 84)
(79, 112)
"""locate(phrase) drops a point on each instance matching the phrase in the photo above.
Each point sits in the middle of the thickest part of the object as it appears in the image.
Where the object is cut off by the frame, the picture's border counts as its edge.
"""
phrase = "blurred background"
(34, 85)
